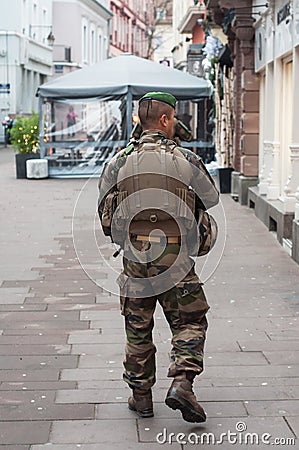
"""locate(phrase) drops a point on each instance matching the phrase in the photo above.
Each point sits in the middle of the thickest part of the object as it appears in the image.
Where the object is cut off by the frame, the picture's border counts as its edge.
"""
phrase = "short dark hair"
(150, 111)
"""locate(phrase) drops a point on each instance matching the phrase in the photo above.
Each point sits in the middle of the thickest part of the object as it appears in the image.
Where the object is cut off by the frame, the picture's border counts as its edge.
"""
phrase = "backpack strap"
(121, 159)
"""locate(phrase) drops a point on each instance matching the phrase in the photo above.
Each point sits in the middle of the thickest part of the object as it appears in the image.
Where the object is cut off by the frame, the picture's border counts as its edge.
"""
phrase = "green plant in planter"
(25, 134)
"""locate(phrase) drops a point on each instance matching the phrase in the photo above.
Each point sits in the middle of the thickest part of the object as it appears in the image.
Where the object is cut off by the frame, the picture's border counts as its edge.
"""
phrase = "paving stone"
(29, 375)
(100, 446)
(33, 340)
(91, 374)
(57, 300)
(38, 325)
(252, 371)
(255, 381)
(93, 396)
(112, 324)
(92, 432)
(102, 338)
(293, 423)
(268, 345)
(280, 335)
(235, 359)
(11, 299)
(38, 316)
(101, 315)
(285, 357)
(37, 385)
(101, 384)
(26, 432)
(36, 362)
(78, 306)
(19, 283)
(71, 275)
(104, 360)
(103, 350)
(86, 332)
(23, 307)
(42, 331)
(31, 350)
(44, 410)
(14, 447)
(212, 345)
(269, 408)
(71, 287)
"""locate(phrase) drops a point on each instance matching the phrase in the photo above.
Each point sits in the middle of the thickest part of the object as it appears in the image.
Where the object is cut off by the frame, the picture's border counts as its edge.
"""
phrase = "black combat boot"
(181, 396)
(141, 402)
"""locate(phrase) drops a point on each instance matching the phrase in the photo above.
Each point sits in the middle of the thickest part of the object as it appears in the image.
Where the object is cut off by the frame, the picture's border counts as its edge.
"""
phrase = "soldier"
(155, 231)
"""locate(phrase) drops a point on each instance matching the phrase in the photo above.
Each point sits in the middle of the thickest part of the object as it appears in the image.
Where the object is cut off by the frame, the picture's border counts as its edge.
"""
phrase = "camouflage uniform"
(185, 305)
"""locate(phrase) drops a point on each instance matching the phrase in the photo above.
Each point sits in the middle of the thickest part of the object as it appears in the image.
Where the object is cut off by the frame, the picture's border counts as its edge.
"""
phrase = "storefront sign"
(283, 13)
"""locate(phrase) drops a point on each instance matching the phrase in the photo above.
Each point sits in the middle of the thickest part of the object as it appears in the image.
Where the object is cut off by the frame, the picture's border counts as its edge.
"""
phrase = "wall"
(25, 56)
(83, 39)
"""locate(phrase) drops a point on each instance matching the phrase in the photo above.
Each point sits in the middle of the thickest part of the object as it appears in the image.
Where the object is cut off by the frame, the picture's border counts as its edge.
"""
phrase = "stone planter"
(21, 159)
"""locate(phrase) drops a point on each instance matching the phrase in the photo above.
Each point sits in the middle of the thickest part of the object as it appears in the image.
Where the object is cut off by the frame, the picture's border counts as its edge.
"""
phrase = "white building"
(163, 36)
(25, 54)
(81, 29)
(276, 199)
(181, 41)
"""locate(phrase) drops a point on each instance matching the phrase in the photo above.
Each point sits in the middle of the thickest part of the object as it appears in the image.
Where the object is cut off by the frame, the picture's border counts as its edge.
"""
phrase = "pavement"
(62, 336)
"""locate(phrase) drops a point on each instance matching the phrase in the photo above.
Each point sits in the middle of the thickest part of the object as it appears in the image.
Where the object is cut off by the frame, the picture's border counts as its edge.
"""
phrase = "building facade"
(131, 23)
(163, 39)
(181, 41)
(276, 198)
(83, 39)
(26, 40)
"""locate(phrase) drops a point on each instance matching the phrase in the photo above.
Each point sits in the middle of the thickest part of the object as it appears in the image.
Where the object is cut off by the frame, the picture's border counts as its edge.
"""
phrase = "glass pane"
(79, 137)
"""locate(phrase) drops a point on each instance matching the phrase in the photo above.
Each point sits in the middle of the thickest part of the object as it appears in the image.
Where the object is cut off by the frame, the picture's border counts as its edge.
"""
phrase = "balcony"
(195, 14)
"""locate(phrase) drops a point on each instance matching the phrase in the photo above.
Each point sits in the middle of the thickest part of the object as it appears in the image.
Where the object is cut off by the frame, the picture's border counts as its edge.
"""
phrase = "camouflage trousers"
(184, 306)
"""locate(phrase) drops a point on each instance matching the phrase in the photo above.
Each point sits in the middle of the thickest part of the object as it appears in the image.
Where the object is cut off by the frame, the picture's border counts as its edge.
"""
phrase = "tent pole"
(129, 113)
(41, 127)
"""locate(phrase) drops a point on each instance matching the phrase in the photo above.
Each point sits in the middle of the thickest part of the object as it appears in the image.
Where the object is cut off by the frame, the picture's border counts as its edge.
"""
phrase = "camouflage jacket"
(201, 181)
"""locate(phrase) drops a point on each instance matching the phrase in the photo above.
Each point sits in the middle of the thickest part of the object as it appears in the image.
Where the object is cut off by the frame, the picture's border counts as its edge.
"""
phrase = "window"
(84, 41)
(100, 48)
(105, 48)
(35, 21)
(160, 13)
(92, 45)
(58, 68)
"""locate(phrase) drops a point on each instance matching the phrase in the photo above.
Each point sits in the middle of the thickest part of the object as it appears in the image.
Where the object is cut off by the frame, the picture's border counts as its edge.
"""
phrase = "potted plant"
(25, 138)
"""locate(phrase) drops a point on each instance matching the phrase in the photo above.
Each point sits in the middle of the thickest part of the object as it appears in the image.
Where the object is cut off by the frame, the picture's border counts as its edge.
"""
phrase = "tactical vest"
(153, 187)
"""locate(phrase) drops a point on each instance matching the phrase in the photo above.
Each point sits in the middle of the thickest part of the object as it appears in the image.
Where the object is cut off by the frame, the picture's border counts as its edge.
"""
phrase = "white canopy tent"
(124, 77)
(126, 74)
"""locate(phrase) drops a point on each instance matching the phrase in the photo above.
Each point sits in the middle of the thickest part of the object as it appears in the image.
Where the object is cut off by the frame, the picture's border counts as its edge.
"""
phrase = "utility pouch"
(208, 230)
(112, 201)
(186, 206)
(110, 206)
(200, 241)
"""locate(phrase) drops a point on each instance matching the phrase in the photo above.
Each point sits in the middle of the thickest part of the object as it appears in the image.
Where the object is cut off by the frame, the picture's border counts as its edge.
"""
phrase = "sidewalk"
(62, 338)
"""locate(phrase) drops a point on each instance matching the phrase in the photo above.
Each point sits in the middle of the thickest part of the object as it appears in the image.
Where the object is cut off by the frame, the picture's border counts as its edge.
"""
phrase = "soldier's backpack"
(180, 201)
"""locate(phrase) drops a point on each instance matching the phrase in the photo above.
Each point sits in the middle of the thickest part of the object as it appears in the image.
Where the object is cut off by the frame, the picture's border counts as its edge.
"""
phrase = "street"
(62, 337)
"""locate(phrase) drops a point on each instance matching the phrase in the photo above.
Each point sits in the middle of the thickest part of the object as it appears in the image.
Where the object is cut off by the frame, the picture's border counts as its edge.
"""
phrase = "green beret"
(160, 97)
